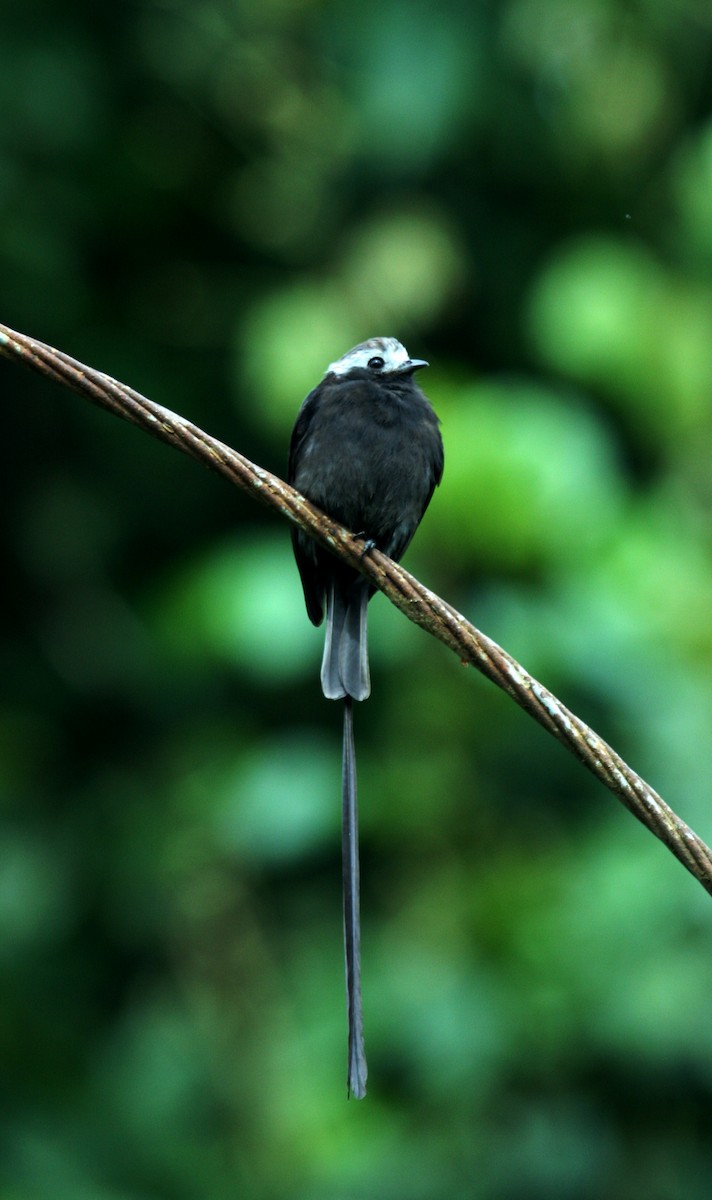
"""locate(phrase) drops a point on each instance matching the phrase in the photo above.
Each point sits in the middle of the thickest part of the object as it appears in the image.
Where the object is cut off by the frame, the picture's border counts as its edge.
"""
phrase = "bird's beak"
(414, 364)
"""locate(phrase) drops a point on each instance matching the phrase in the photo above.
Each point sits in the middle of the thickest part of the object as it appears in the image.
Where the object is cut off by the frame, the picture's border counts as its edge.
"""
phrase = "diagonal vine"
(417, 602)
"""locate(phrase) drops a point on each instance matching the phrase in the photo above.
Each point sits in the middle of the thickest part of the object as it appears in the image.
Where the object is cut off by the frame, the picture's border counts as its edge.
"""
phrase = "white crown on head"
(394, 355)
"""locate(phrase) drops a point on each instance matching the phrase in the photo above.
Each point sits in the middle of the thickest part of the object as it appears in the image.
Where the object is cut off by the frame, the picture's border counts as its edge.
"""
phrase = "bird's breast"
(368, 458)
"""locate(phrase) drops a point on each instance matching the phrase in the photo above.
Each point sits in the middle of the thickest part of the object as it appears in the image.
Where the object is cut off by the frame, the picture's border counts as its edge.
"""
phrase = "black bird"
(365, 449)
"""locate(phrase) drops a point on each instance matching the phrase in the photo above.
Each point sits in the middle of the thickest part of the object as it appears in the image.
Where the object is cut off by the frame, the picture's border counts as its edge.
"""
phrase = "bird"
(366, 449)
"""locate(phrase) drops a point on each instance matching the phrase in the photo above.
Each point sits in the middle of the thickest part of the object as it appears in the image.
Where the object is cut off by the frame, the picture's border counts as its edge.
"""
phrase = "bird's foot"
(367, 547)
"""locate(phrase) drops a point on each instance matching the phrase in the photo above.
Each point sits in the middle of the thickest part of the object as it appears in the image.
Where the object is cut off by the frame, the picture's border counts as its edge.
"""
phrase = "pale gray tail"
(344, 668)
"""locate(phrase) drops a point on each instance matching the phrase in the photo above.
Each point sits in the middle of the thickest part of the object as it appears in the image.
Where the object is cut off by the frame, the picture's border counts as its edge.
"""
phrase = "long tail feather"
(358, 1070)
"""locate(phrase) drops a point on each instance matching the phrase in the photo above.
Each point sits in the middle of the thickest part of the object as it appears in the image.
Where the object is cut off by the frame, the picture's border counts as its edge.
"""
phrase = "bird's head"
(380, 356)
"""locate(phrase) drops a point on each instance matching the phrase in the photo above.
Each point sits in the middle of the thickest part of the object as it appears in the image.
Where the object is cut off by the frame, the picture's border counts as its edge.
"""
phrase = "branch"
(419, 604)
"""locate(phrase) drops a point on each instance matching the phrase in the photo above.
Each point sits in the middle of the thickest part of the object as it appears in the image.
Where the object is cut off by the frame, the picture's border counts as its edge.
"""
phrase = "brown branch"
(417, 602)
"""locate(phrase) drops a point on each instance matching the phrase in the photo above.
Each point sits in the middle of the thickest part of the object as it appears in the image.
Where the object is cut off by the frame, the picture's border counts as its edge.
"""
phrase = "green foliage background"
(211, 201)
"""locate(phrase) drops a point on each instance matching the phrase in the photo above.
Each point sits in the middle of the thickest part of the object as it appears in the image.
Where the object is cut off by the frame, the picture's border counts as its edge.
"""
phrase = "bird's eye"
(376, 364)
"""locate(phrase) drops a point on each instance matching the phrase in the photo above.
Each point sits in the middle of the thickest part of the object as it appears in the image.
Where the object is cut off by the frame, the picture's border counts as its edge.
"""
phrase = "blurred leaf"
(240, 604)
(608, 314)
(531, 475)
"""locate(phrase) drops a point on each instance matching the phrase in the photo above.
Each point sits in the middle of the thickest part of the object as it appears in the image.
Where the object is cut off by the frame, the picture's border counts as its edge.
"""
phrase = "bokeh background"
(211, 201)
